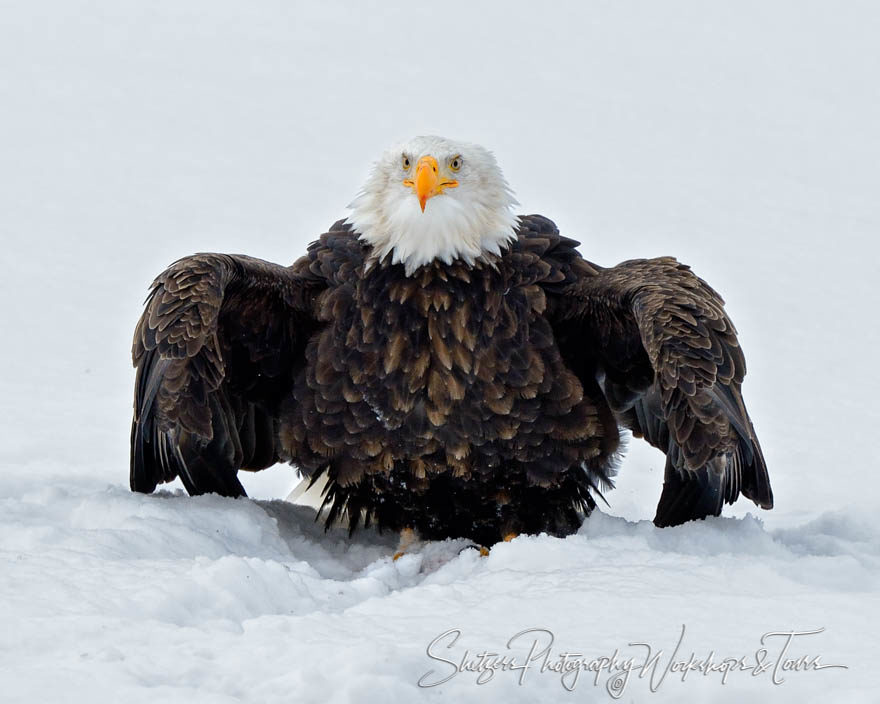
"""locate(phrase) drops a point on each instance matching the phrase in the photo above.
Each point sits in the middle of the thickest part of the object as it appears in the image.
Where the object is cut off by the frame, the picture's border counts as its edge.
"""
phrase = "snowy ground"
(744, 139)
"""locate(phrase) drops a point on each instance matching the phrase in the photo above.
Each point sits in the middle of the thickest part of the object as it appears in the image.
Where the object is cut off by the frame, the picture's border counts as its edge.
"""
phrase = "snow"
(743, 139)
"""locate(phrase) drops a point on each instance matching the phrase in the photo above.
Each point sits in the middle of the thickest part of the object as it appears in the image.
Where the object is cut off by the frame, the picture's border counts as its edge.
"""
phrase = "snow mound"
(215, 599)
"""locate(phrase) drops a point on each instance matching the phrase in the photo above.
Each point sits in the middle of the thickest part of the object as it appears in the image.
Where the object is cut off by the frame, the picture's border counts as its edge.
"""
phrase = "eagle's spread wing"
(216, 349)
(667, 358)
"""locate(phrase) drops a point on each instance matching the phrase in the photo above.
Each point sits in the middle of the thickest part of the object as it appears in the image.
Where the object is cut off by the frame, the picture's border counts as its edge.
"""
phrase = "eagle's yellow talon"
(484, 552)
(408, 538)
(509, 537)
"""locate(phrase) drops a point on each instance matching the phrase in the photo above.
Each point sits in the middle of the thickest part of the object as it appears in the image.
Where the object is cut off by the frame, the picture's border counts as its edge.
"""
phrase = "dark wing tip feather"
(756, 480)
(690, 496)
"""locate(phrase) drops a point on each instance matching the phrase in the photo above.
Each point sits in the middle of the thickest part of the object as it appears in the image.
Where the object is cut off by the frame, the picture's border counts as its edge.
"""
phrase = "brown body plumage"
(469, 400)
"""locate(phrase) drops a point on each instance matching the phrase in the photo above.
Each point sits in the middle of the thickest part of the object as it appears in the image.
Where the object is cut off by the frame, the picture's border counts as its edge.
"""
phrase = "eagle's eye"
(455, 164)
(405, 162)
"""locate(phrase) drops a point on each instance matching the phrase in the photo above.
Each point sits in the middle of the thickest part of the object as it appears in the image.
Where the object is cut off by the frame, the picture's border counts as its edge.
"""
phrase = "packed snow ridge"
(200, 595)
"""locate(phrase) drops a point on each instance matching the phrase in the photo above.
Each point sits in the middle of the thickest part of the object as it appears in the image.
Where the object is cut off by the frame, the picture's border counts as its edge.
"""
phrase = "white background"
(740, 137)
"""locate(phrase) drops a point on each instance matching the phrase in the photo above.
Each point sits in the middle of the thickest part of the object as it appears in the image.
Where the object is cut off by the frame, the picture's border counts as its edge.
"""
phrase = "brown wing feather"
(671, 367)
(215, 349)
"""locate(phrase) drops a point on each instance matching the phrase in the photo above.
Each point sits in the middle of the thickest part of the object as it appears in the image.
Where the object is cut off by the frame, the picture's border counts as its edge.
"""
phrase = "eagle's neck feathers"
(445, 232)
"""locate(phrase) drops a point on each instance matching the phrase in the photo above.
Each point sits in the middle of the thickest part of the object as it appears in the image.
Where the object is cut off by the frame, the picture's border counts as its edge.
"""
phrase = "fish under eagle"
(447, 367)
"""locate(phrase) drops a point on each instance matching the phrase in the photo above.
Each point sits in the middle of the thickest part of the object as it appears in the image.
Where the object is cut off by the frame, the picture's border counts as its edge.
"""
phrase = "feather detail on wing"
(215, 349)
(669, 362)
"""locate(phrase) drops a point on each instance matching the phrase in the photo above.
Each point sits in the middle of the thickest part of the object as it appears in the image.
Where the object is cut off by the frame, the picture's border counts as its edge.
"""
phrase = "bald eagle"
(446, 366)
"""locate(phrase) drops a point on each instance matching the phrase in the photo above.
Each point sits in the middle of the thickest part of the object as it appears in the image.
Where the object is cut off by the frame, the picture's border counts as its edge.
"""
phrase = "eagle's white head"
(435, 199)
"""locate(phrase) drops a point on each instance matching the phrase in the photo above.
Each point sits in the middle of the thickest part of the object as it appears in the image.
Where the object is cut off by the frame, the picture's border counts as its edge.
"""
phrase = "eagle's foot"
(408, 537)
(482, 549)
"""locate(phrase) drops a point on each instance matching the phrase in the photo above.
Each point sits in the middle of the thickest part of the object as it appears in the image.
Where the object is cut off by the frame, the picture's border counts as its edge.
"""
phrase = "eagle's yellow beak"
(428, 182)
